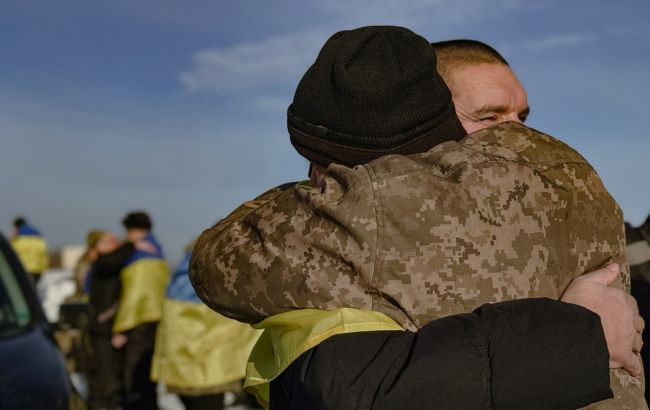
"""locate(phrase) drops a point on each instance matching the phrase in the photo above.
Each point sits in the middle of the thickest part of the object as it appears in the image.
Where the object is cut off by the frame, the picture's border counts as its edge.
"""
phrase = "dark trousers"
(138, 352)
(641, 292)
(104, 373)
(36, 277)
(205, 402)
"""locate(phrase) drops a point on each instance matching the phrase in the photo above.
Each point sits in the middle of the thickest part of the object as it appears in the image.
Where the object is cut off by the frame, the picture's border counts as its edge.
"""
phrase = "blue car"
(33, 374)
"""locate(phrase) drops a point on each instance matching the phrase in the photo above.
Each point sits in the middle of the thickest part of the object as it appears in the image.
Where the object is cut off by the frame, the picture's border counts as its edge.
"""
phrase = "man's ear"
(316, 175)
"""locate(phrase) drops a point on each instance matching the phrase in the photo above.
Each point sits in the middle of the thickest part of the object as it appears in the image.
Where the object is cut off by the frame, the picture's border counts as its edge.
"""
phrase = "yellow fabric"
(32, 252)
(142, 295)
(198, 348)
(288, 335)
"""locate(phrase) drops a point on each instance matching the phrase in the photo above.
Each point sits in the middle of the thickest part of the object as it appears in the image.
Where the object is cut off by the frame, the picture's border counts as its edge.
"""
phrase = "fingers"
(634, 365)
(118, 340)
(630, 362)
(638, 343)
(631, 302)
(639, 324)
(604, 276)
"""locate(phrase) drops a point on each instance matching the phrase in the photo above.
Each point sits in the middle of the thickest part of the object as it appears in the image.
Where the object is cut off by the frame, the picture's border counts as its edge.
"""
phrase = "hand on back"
(618, 313)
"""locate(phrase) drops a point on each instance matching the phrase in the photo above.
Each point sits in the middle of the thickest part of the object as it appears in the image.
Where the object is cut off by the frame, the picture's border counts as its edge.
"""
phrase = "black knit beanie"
(372, 91)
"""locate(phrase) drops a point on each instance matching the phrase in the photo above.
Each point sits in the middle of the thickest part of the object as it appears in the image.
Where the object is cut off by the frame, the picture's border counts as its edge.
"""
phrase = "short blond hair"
(454, 54)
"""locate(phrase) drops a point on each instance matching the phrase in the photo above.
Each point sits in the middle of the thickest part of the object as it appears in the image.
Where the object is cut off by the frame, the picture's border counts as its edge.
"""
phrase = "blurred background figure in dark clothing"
(103, 284)
(638, 253)
(84, 264)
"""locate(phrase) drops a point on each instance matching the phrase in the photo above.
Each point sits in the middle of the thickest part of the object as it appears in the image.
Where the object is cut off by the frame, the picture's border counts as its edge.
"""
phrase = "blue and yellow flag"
(31, 249)
(197, 348)
(143, 278)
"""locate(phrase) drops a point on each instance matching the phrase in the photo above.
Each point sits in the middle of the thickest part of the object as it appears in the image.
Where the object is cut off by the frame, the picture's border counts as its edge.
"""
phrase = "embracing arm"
(109, 264)
(531, 353)
(295, 247)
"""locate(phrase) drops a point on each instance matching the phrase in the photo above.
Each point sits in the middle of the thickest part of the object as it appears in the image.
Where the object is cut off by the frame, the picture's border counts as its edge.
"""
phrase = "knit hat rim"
(324, 152)
(369, 143)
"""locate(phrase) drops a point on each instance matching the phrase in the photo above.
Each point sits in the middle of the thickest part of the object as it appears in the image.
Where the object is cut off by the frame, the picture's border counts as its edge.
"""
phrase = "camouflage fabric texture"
(506, 213)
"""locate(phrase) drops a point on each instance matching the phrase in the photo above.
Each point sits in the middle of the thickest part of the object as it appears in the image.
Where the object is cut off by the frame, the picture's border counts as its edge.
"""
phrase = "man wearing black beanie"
(372, 92)
(414, 226)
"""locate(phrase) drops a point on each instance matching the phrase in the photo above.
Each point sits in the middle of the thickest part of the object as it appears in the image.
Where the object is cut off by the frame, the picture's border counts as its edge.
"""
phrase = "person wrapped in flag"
(31, 248)
(143, 279)
(199, 353)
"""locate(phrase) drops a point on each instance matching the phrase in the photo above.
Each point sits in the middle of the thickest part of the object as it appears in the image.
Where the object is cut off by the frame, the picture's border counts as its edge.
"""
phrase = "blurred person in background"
(75, 340)
(84, 264)
(31, 248)
(108, 258)
(199, 354)
(104, 375)
(143, 278)
(638, 253)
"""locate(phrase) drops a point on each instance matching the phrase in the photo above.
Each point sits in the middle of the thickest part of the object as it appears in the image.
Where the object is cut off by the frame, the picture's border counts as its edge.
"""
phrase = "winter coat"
(489, 359)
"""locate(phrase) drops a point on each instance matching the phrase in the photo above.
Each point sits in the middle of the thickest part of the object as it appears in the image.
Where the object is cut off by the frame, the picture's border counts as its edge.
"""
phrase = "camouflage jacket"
(506, 213)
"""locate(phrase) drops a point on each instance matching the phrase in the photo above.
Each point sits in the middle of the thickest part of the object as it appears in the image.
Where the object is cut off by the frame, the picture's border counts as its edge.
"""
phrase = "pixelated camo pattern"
(506, 213)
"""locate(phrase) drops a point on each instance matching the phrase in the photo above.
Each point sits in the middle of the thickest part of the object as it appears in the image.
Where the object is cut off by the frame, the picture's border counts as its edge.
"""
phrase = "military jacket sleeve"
(291, 248)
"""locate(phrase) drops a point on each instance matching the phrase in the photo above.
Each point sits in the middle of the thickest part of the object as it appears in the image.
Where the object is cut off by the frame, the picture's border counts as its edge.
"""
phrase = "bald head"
(484, 88)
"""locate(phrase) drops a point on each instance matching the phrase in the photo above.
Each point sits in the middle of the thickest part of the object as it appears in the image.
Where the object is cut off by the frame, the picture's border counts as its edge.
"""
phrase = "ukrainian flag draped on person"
(31, 249)
(198, 350)
(143, 278)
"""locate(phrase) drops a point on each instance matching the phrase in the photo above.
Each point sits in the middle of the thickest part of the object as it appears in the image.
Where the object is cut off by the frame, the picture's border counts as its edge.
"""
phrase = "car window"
(14, 310)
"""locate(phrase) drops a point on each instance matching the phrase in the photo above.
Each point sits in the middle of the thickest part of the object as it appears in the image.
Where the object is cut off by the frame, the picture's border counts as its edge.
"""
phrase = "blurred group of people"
(144, 327)
(125, 284)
